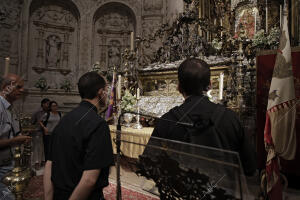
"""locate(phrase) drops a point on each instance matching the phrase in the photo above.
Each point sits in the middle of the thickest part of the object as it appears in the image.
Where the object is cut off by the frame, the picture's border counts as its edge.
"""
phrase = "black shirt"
(199, 107)
(81, 141)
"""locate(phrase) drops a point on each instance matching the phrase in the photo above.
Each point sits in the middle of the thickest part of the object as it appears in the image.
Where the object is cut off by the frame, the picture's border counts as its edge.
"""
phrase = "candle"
(255, 21)
(138, 94)
(221, 23)
(119, 87)
(280, 13)
(221, 80)
(266, 16)
(6, 71)
(131, 41)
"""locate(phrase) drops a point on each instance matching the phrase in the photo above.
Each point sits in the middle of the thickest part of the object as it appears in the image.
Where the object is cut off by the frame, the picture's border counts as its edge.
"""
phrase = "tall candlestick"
(280, 13)
(119, 87)
(221, 86)
(131, 41)
(138, 94)
(6, 71)
(266, 16)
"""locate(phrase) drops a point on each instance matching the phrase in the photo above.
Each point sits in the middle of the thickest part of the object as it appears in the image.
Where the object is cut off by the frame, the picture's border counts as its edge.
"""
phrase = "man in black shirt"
(81, 150)
(194, 79)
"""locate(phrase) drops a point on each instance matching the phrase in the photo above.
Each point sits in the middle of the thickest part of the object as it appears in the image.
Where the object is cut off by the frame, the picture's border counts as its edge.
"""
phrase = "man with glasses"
(11, 89)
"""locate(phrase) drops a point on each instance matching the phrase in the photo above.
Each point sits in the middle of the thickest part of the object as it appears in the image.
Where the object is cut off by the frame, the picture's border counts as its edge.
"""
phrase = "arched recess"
(53, 41)
(112, 25)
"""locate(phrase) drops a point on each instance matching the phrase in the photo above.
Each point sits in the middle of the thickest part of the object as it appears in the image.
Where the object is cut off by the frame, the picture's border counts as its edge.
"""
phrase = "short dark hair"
(45, 100)
(193, 76)
(89, 84)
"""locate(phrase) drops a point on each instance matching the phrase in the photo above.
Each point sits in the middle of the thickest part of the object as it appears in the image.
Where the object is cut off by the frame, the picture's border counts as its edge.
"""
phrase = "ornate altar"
(159, 83)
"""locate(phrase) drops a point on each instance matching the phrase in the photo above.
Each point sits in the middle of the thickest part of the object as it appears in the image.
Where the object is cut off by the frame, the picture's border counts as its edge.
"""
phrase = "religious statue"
(53, 47)
(246, 23)
(114, 54)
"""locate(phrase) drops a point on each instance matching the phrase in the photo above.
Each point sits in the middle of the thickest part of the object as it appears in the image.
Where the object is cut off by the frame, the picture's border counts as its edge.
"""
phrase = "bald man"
(11, 89)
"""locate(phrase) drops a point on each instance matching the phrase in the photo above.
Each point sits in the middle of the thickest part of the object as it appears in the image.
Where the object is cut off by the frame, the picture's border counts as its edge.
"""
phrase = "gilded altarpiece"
(53, 41)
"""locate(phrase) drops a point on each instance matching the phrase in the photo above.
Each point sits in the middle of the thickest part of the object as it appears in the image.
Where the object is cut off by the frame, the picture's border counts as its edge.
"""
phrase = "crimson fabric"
(265, 65)
(35, 191)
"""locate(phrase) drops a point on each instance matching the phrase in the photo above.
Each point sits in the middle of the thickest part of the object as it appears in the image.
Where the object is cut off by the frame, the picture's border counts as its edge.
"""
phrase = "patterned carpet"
(35, 191)
(127, 194)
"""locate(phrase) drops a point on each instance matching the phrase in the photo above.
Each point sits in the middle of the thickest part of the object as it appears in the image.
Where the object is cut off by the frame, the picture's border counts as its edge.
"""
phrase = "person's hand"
(20, 139)
(46, 131)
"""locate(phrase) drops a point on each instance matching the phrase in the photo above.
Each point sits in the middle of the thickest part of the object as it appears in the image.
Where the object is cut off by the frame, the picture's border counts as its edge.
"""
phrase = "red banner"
(265, 62)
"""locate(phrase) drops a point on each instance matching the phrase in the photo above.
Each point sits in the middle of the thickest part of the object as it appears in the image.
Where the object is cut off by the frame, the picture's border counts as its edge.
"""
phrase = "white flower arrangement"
(263, 41)
(216, 44)
(259, 39)
(128, 101)
(42, 84)
(66, 85)
(273, 37)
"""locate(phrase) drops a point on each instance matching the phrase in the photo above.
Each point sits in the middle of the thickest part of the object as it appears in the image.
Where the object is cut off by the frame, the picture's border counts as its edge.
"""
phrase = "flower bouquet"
(128, 101)
(42, 84)
(66, 85)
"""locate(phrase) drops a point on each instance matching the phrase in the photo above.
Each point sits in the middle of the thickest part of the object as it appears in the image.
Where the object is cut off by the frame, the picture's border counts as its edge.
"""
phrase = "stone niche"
(53, 43)
(113, 24)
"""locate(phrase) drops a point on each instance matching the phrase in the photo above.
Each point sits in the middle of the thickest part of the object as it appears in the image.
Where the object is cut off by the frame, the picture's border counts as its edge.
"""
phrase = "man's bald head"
(6, 80)
(12, 87)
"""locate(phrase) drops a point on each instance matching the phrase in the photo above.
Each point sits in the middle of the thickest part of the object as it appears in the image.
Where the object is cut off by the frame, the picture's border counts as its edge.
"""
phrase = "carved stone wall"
(62, 39)
(173, 8)
(113, 24)
(153, 15)
(9, 33)
(53, 45)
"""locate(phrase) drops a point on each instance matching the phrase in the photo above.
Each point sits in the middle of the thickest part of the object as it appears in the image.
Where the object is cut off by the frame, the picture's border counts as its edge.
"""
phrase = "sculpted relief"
(149, 27)
(53, 43)
(9, 31)
(115, 21)
(113, 26)
(53, 47)
(55, 15)
(153, 5)
(9, 13)
(114, 54)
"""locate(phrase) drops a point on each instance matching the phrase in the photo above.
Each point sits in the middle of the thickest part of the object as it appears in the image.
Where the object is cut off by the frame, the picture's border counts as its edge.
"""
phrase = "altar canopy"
(187, 171)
